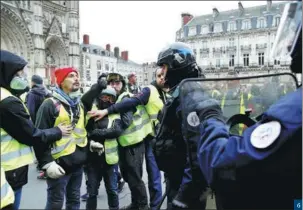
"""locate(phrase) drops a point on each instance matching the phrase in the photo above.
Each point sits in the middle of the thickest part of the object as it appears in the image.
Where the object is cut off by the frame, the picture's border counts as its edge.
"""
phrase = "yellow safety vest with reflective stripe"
(7, 193)
(13, 153)
(23, 97)
(110, 145)
(242, 108)
(154, 104)
(140, 127)
(67, 145)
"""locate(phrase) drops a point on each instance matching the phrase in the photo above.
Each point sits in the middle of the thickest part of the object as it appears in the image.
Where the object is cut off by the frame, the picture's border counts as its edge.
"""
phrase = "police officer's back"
(262, 169)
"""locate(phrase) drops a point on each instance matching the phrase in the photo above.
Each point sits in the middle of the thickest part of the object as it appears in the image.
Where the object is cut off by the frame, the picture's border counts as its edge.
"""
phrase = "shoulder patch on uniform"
(193, 119)
(265, 134)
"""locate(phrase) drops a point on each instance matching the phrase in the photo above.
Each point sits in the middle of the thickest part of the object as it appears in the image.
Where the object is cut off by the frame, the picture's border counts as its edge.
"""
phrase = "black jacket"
(16, 121)
(35, 98)
(99, 132)
(46, 117)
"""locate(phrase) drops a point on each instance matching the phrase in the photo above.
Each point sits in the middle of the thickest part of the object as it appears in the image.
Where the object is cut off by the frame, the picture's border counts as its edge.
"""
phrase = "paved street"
(34, 194)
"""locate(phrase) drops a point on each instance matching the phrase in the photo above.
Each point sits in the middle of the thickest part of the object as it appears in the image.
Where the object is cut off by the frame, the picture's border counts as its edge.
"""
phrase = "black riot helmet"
(180, 61)
(288, 41)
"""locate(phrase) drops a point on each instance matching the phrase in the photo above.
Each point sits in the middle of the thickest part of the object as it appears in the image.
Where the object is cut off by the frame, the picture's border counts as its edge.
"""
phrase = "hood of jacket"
(39, 90)
(10, 65)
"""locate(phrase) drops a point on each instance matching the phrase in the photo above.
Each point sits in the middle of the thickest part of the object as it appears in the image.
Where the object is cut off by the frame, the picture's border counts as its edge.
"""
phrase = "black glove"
(102, 83)
(94, 135)
(206, 107)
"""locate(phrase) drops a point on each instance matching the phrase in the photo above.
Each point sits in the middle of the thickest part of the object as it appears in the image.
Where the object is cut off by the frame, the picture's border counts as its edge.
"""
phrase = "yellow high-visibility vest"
(242, 108)
(67, 144)
(23, 97)
(7, 193)
(140, 127)
(154, 104)
(13, 153)
(110, 145)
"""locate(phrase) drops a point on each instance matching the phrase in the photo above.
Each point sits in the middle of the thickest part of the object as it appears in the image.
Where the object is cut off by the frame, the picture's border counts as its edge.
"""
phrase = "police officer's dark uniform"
(185, 180)
(262, 169)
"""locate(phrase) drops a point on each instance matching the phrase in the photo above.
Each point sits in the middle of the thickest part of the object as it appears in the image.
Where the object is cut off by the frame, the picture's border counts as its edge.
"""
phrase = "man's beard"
(75, 89)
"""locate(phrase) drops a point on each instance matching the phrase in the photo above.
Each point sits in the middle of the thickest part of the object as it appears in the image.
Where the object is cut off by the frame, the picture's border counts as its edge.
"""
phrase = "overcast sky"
(142, 27)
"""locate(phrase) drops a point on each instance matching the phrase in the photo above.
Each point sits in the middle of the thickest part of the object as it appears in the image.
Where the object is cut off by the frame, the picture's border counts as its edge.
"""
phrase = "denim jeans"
(69, 186)
(95, 173)
(154, 176)
(18, 194)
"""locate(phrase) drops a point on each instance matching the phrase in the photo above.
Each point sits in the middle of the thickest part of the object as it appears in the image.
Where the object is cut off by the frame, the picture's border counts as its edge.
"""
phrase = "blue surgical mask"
(19, 83)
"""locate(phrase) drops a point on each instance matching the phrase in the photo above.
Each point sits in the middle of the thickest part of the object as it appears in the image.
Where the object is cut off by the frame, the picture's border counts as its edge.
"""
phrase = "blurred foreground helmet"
(179, 60)
(288, 41)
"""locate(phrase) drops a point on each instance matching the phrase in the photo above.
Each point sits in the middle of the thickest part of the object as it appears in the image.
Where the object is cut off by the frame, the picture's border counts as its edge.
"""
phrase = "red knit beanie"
(62, 73)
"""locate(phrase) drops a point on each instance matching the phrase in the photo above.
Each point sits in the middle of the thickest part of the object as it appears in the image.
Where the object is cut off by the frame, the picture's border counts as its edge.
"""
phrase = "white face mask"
(75, 94)
(19, 83)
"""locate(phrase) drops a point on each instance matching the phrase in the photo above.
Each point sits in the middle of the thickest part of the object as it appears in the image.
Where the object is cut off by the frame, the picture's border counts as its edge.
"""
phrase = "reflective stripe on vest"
(7, 193)
(67, 145)
(111, 145)
(154, 104)
(140, 127)
(13, 154)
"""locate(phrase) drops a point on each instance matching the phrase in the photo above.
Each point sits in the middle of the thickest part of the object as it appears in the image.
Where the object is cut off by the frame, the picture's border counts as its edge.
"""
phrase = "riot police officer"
(177, 156)
(262, 169)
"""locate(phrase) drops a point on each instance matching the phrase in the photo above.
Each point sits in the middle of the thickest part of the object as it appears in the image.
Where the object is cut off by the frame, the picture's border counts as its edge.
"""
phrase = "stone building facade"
(45, 33)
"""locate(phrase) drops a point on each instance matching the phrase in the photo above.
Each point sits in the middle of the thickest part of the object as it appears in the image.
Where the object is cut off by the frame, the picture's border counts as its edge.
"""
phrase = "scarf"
(64, 98)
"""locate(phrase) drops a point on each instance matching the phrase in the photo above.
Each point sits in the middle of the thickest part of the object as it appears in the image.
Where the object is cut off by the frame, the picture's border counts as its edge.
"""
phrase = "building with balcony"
(44, 33)
(95, 60)
(238, 40)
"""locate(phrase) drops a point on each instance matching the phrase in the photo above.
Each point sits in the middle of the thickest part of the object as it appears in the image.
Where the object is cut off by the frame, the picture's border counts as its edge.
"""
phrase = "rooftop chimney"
(186, 17)
(215, 12)
(116, 52)
(85, 39)
(107, 47)
(268, 5)
(126, 56)
(241, 8)
(123, 55)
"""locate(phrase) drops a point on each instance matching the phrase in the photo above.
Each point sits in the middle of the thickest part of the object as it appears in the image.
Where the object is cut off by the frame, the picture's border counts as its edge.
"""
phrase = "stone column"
(73, 29)
(37, 33)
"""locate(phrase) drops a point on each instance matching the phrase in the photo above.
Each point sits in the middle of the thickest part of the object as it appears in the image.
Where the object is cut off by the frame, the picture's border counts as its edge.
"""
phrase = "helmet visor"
(288, 31)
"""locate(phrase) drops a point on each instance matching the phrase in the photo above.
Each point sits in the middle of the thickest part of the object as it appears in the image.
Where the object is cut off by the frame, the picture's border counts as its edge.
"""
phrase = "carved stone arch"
(15, 30)
(56, 54)
(55, 28)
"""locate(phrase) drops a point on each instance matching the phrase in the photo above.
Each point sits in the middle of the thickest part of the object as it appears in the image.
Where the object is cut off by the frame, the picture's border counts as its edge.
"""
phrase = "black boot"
(130, 207)
(121, 184)
(143, 207)
(180, 200)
